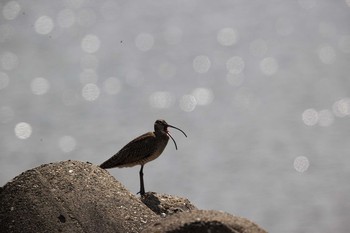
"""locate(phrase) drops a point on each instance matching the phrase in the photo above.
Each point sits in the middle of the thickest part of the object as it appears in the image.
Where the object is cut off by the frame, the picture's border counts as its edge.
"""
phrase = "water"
(261, 89)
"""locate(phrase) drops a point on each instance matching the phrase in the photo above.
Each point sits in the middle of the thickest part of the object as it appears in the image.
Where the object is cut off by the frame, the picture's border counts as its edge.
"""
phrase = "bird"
(142, 150)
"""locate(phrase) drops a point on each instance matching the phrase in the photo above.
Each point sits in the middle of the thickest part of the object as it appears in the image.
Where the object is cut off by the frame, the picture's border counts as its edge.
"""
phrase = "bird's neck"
(161, 134)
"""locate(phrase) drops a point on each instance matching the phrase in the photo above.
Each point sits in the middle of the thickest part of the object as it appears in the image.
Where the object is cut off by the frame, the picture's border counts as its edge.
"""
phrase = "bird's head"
(162, 126)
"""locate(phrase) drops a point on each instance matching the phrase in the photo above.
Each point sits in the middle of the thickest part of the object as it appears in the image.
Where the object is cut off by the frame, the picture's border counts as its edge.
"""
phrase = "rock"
(73, 196)
(198, 221)
(70, 196)
(165, 205)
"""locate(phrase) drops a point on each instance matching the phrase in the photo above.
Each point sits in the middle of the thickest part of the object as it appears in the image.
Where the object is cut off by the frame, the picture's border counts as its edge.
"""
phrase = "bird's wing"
(133, 152)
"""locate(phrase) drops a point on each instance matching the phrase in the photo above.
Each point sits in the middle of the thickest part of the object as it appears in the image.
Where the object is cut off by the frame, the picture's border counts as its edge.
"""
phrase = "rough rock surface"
(165, 205)
(198, 221)
(70, 196)
(73, 196)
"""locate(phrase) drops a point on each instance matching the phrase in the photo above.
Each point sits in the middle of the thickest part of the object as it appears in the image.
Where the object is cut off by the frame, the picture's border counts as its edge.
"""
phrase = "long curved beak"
(172, 137)
(177, 129)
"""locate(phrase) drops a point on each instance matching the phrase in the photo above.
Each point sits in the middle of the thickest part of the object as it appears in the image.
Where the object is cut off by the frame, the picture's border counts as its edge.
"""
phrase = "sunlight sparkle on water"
(201, 64)
(23, 130)
(90, 92)
(269, 66)
(44, 25)
(10, 10)
(341, 108)
(204, 96)
(310, 117)
(235, 65)
(301, 164)
(90, 43)
(227, 36)
(188, 103)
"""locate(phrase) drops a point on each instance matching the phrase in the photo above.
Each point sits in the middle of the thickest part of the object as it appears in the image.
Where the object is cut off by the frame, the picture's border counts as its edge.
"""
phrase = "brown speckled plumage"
(142, 149)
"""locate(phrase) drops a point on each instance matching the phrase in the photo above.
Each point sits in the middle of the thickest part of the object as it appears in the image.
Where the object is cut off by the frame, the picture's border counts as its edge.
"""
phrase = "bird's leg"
(142, 186)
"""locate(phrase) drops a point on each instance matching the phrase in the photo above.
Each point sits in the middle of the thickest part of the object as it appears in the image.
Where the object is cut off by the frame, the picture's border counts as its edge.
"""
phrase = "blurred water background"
(262, 89)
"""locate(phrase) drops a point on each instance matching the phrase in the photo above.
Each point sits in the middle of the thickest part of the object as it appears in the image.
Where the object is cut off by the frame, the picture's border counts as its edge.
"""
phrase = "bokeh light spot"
(327, 54)
(10, 10)
(9, 61)
(227, 36)
(203, 96)
(112, 86)
(66, 18)
(144, 41)
(23, 130)
(188, 103)
(341, 108)
(301, 164)
(161, 99)
(67, 143)
(310, 117)
(43, 25)
(90, 43)
(201, 64)
(39, 86)
(269, 66)
(4, 80)
(325, 118)
(235, 65)
(90, 92)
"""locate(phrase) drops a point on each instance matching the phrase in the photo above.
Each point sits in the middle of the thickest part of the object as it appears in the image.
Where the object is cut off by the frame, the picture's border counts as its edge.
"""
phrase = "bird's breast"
(158, 150)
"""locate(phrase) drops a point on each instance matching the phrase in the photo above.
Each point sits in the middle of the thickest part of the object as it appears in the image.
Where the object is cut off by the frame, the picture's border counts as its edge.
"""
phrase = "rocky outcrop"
(73, 196)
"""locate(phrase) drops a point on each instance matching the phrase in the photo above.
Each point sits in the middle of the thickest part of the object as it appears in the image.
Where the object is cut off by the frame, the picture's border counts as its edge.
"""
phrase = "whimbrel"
(142, 150)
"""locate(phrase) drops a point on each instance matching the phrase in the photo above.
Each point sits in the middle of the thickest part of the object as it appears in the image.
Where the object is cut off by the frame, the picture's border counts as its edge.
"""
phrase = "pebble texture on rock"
(198, 221)
(73, 196)
(70, 196)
